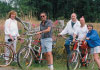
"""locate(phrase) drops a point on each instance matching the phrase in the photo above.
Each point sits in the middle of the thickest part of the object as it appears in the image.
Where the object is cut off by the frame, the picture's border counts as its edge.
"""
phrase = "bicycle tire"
(42, 60)
(24, 57)
(6, 54)
(73, 60)
(90, 62)
(39, 57)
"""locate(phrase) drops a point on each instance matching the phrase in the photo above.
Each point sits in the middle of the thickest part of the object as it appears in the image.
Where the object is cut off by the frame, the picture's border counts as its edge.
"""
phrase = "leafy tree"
(55, 8)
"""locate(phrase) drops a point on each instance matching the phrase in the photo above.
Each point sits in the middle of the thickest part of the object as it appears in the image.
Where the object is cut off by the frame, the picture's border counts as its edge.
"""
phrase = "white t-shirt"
(81, 32)
(11, 27)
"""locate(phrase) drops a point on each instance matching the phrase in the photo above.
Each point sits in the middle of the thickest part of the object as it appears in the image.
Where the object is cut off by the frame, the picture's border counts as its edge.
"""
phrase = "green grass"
(58, 65)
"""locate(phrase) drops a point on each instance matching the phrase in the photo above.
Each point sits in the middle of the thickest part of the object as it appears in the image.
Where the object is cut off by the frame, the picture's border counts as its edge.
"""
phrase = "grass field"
(58, 65)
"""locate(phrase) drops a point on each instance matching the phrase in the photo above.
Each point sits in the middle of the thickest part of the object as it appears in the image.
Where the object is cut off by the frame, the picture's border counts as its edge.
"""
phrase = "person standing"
(11, 32)
(93, 40)
(70, 28)
(46, 39)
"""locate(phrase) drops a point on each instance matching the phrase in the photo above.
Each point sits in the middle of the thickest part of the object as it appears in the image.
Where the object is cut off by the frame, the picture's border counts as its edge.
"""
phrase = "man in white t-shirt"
(81, 31)
(70, 28)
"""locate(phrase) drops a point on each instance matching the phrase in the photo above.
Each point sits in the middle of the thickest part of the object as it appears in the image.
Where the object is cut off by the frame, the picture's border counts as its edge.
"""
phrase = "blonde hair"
(12, 12)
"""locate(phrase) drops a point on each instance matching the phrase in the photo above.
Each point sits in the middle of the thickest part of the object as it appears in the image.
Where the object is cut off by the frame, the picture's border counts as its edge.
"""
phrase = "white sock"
(50, 66)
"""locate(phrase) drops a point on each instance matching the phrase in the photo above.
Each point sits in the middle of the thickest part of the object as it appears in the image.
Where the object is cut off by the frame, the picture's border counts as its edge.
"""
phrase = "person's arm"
(65, 30)
(49, 26)
(74, 37)
(6, 27)
(11, 37)
(85, 36)
(93, 36)
(44, 31)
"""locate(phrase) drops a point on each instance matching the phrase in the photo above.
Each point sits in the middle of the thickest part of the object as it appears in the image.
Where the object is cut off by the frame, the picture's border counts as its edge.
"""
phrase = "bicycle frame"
(30, 50)
(33, 48)
(77, 46)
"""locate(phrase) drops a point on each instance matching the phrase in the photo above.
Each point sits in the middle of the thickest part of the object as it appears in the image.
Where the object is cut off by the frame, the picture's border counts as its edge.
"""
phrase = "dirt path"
(8, 68)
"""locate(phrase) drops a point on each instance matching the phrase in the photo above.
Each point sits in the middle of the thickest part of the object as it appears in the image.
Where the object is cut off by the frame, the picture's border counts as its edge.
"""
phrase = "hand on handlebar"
(19, 38)
(39, 32)
(59, 35)
(74, 40)
(11, 37)
(87, 38)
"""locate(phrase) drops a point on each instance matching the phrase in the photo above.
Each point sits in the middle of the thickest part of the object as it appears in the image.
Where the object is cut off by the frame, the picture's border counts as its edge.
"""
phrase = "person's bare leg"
(49, 58)
(97, 59)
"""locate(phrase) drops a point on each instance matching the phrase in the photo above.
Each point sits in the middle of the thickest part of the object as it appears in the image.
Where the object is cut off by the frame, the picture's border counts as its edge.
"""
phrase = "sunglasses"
(42, 16)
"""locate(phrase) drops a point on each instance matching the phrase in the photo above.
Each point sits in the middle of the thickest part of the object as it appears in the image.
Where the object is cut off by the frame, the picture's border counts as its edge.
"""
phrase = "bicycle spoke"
(73, 60)
(24, 57)
(6, 55)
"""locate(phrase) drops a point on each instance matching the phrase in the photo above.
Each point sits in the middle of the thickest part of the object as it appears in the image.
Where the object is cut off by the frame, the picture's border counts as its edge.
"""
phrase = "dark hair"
(43, 13)
(90, 25)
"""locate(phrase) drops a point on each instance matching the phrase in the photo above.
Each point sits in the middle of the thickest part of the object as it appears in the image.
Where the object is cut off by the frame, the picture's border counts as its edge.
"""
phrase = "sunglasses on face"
(42, 16)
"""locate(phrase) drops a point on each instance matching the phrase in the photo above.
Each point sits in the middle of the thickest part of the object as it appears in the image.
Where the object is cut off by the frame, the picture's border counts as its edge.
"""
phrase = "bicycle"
(7, 53)
(9, 46)
(80, 56)
(32, 50)
(29, 52)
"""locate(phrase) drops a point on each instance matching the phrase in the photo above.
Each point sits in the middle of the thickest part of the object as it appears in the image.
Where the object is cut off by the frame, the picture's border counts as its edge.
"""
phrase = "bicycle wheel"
(24, 57)
(39, 57)
(90, 62)
(42, 60)
(6, 55)
(72, 60)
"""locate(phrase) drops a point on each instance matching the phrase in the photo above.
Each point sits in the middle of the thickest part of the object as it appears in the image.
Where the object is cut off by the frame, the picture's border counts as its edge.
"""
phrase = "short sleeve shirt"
(48, 23)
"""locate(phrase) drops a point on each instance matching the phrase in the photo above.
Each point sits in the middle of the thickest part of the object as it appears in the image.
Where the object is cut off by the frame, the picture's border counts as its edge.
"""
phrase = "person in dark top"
(46, 39)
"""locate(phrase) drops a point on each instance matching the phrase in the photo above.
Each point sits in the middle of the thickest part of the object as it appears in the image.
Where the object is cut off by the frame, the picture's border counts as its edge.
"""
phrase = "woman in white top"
(11, 31)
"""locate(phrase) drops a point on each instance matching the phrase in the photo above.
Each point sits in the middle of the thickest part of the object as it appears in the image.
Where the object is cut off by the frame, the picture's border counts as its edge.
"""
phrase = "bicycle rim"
(72, 60)
(24, 57)
(90, 62)
(6, 55)
(42, 60)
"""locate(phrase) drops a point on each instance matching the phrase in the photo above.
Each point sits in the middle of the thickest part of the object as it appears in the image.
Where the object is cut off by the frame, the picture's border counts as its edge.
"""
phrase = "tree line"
(55, 9)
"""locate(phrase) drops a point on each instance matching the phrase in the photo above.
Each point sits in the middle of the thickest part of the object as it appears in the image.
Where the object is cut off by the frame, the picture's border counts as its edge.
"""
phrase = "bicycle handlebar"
(24, 23)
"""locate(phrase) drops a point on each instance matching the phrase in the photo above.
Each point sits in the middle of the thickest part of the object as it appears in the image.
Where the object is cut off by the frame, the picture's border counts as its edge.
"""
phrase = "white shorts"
(95, 50)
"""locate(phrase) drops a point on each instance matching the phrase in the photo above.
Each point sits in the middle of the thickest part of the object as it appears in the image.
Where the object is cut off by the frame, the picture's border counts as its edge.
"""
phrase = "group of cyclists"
(81, 31)
(74, 28)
